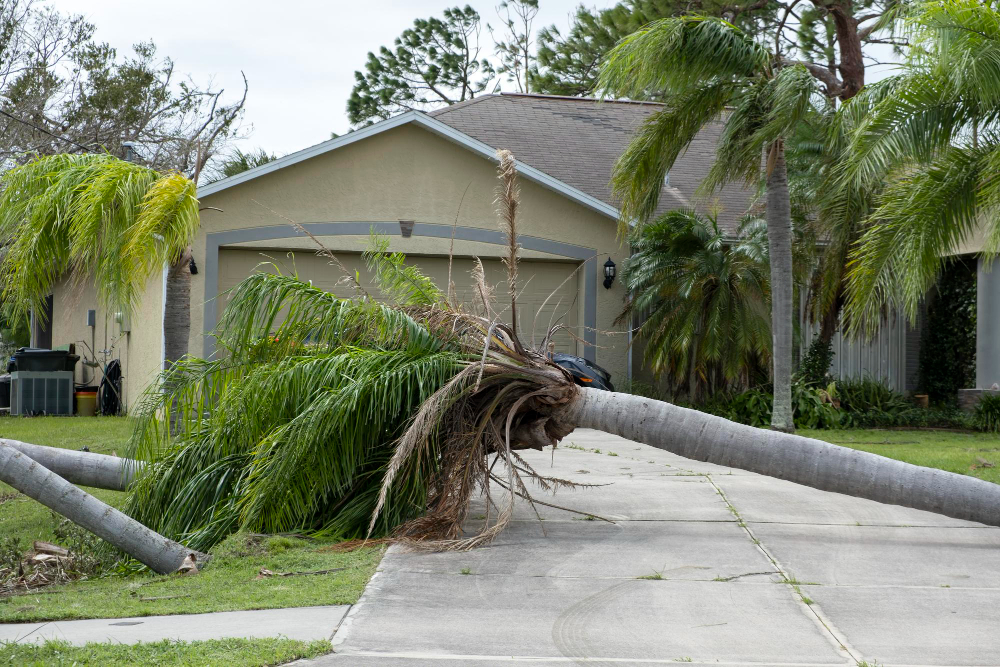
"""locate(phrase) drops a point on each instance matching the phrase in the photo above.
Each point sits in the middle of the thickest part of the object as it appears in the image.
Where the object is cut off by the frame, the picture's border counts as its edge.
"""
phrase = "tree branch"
(833, 85)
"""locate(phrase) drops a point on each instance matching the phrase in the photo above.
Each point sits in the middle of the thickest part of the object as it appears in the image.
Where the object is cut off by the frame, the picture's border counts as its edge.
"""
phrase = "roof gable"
(433, 125)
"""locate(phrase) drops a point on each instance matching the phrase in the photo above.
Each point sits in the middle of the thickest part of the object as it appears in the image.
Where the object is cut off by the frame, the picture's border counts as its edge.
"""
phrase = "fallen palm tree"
(360, 417)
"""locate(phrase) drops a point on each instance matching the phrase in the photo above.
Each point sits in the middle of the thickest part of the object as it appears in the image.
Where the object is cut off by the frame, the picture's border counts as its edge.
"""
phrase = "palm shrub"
(702, 302)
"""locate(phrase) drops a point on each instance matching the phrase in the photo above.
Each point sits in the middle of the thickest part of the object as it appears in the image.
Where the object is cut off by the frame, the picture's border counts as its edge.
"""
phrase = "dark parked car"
(586, 373)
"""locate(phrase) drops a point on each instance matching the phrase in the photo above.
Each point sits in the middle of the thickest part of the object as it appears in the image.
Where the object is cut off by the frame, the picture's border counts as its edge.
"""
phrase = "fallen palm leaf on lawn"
(266, 573)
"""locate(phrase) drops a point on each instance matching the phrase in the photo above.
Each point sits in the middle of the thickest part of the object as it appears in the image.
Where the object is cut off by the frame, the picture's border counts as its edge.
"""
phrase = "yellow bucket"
(86, 403)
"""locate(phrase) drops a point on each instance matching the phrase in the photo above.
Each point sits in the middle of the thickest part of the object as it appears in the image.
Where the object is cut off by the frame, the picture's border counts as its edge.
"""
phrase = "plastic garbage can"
(86, 403)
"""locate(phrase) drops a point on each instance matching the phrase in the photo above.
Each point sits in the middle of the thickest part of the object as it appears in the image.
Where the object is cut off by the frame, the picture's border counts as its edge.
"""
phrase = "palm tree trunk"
(177, 310)
(160, 554)
(84, 468)
(820, 465)
(779, 243)
(831, 318)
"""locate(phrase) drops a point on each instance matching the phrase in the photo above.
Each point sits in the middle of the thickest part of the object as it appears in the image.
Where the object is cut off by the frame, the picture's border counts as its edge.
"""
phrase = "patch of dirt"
(352, 545)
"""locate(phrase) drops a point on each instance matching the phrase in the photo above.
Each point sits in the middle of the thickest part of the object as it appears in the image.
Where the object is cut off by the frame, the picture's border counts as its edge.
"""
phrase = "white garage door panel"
(537, 280)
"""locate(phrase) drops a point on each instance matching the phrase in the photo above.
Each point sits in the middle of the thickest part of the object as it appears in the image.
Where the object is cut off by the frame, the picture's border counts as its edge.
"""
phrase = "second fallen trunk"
(83, 468)
(160, 554)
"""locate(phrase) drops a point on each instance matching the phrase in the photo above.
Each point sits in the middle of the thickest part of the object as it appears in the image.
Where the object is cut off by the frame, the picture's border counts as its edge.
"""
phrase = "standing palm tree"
(706, 68)
(96, 218)
(703, 302)
(933, 135)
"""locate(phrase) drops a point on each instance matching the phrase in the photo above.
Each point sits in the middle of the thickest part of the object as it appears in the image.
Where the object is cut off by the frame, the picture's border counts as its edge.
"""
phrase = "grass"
(228, 583)
(948, 450)
(246, 652)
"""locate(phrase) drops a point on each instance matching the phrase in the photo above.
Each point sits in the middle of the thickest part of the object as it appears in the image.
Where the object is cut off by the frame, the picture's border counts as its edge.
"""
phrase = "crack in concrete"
(838, 638)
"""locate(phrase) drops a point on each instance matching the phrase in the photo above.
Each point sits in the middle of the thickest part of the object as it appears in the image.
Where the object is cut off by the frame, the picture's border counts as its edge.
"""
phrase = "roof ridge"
(573, 98)
(459, 105)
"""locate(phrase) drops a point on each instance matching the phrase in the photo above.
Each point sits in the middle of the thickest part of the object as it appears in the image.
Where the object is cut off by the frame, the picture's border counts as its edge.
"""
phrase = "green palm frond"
(101, 218)
(287, 442)
(923, 215)
(638, 174)
(925, 144)
(760, 115)
(281, 312)
(673, 55)
(951, 86)
(400, 284)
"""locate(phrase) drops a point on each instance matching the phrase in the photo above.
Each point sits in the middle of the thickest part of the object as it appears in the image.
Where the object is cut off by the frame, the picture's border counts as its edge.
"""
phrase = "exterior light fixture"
(193, 267)
(609, 273)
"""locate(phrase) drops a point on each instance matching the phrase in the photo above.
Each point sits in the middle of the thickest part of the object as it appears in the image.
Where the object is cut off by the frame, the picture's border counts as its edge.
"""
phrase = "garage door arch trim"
(216, 240)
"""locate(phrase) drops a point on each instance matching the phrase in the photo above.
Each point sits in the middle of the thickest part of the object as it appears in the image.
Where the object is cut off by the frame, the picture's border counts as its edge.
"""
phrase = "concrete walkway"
(303, 623)
(702, 564)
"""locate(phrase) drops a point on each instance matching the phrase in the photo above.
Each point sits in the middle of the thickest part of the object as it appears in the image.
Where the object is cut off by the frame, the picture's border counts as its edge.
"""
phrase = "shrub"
(853, 403)
(811, 407)
(987, 414)
(815, 367)
(751, 407)
(867, 395)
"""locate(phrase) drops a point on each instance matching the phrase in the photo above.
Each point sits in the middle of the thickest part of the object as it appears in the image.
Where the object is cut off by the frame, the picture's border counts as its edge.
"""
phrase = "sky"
(299, 56)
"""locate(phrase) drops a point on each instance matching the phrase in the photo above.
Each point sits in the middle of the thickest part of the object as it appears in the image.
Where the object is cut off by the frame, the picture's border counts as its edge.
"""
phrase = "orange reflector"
(585, 380)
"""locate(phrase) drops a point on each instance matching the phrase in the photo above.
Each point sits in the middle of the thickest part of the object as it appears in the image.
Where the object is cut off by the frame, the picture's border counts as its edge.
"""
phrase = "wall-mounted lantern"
(609, 273)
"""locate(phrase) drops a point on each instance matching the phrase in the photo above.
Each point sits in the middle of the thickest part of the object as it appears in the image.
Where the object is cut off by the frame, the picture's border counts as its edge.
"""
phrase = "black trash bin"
(44, 361)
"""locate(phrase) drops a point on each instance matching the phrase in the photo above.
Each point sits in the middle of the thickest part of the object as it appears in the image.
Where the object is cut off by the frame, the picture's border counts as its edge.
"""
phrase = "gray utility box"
(41, 393)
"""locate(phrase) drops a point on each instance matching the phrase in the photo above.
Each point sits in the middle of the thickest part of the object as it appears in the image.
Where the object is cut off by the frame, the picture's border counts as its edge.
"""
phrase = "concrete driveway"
(701, 564)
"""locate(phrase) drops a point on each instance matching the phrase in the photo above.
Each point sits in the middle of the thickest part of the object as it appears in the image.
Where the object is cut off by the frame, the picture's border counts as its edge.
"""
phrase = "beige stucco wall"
(408, 173)
(140, 350)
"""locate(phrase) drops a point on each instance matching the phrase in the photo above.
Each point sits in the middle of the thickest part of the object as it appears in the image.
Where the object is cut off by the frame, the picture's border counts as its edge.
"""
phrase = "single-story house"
(428, 181)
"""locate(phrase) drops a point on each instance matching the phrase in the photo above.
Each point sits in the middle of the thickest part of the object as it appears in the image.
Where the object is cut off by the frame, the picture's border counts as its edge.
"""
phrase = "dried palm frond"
(507, 201)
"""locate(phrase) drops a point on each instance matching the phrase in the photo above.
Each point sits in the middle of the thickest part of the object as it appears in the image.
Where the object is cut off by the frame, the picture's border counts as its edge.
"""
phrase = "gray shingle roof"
(577, 141)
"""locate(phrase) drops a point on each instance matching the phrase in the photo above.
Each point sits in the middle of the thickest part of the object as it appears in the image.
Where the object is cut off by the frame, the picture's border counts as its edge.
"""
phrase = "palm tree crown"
(93, 216)
(933, 136)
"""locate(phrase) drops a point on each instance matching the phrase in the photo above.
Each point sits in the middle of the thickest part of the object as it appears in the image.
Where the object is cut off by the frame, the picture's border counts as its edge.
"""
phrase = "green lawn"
(222, 652)
(228, 583)
(953, 451)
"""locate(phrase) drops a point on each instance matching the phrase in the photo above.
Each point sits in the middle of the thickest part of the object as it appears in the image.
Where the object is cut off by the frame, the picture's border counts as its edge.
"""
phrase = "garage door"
(537, 280)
